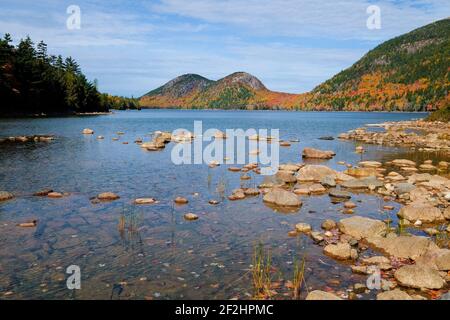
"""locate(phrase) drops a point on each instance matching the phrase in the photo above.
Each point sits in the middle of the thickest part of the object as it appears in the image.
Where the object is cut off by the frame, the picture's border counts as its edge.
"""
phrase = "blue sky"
(131, 47)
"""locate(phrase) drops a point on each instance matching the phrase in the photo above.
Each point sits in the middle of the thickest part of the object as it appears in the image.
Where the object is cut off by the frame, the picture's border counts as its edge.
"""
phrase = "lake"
(127, 251)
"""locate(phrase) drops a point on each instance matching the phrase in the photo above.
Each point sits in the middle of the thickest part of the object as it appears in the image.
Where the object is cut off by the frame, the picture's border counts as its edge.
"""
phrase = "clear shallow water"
(158, 254)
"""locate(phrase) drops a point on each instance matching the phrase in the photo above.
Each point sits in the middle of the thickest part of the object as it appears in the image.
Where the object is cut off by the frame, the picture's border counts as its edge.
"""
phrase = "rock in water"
(363, 183)
(406, 247)
(316, 173)
(145, 201)
(419, 276)
(281, 197)
(422, 212)
(317, 154)
(107, 196)
(181, 200)
(88, 131)
(340, 251)
(303, 227)
(339, 194)
(321, 295)
(361, 227)
(396, 294)
(5, 196)
(190, 216)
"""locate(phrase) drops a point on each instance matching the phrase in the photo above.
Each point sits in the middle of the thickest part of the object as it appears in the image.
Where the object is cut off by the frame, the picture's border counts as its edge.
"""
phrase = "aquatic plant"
(299, 277)
(262, 280)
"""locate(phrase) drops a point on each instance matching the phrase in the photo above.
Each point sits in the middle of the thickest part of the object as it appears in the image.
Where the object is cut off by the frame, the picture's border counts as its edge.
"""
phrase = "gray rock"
(328, 181)
(419, 276)
(403, 187)
(363, 183)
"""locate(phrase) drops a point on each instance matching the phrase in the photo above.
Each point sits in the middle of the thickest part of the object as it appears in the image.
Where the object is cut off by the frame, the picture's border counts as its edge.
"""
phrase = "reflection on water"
(150, 252)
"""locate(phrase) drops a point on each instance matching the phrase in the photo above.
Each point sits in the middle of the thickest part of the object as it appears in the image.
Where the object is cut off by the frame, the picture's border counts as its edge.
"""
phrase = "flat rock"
(421, 211)
(437, 259)
(317, 154)
(321, 295)
(340, 251)
(403, 187)
(281, 197)
(190, 216)
(339, 194)
(370, 164)
(363, 183)
(145, 201)
(403, 163)
(362, 227)
(317, 188)
(376, 260)
(310, 173)
(419, 276)
(328, 182)
(88, 131)
(395, 294)
(407, 247)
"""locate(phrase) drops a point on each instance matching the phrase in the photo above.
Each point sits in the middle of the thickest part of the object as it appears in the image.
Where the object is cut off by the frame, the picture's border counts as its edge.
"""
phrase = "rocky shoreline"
(417, 135)
(410, 267)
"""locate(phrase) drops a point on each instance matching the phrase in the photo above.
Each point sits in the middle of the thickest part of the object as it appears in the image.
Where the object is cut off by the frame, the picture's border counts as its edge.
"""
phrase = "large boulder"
(317, 154)
(421, 211)
(419, 276)
(361, 227)
(316, 173)
(437, 259)
(5, 196)
(286, 176)
(281, 197)
(334, 193)
(321, 295)
(363, 183)
(407, 247)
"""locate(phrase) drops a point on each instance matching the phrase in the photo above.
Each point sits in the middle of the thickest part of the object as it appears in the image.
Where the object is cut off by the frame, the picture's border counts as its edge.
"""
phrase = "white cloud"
(344, 19)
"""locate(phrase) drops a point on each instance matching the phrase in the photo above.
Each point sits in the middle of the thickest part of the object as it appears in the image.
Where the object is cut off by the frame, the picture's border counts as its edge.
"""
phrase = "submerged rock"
(42, 193)
(321, 295)
(361, 227)
(419, 276)
(282, 197)
(328, 224)
(339, 194)
(363, 183)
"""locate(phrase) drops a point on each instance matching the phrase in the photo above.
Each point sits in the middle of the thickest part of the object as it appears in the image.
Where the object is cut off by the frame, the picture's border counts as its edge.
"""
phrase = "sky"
(131, 47)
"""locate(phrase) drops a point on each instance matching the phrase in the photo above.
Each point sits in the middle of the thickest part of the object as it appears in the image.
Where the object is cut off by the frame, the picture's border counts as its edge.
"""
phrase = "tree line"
(32, 82)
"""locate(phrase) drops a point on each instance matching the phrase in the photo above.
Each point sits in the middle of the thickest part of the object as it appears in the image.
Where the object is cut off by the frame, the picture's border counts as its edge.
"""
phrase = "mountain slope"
(239, 90)
(410, 72)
